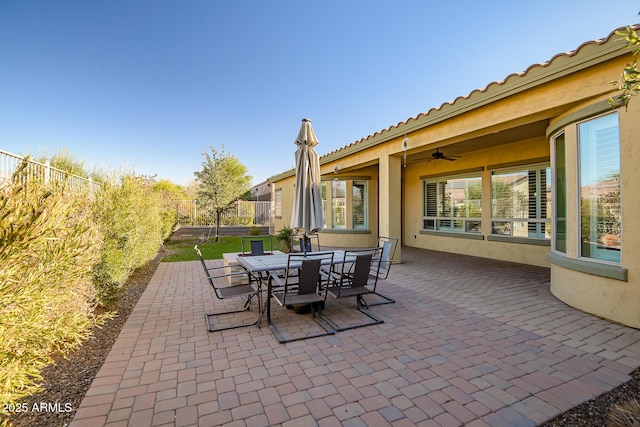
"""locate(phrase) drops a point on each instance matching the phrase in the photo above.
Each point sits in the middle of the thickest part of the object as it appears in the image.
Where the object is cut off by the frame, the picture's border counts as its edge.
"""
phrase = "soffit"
(479, 142)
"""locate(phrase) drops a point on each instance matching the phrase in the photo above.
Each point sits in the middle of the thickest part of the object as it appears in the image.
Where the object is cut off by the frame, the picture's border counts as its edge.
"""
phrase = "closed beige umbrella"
(307, 203)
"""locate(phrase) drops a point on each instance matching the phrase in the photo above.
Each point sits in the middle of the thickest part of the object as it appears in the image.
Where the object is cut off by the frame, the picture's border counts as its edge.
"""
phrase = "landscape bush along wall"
(63, 252)
(47, 298)
(129, 216)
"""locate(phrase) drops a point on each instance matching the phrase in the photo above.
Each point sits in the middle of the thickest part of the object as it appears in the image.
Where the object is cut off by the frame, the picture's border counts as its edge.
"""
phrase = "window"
(560, 192)
(520, 202)
(339, 204)
(599, 186)
(277, 203)
(453, 204)
(346, 202)
(359, 204)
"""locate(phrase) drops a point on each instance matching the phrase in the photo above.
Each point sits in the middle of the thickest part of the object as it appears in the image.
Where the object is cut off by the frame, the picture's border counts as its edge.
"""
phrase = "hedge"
(63, 252)
(47, 297)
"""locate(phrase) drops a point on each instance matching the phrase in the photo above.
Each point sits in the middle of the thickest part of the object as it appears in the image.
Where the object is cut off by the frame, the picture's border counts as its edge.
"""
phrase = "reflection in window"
(323, 189)
(359, 205)
(338, 204)
(560, 202)
(347, 203)
(453, 204)
(600, 215)
(520, 202)
(277, 203)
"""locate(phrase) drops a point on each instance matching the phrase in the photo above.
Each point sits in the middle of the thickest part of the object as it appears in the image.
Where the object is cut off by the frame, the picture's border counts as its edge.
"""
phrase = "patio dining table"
(260, 265)
(275, 262)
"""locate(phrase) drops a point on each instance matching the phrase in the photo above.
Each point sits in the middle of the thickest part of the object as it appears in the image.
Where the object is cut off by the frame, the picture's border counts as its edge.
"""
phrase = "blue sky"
(148, 84)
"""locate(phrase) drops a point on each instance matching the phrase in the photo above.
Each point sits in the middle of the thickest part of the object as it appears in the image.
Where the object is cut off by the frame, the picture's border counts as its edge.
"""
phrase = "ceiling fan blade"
(448, 158)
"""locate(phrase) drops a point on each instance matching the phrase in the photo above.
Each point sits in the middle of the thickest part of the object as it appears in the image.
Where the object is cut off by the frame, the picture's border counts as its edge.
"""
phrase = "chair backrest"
(361, 270)
(206, 269)
(309, 276)
(258, 245)
(306, 243)
(361, 266)
(204, 265)
(304, 270)
(389, 246)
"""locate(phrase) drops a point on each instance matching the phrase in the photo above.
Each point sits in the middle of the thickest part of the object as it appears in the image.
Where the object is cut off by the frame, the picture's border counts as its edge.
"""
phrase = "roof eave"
(586, 55)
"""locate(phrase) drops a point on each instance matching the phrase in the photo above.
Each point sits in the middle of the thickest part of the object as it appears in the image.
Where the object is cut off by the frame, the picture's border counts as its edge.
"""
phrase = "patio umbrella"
(307, 203)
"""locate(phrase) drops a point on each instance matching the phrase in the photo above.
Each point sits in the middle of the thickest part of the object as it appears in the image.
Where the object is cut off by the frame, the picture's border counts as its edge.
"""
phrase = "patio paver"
(470, 341)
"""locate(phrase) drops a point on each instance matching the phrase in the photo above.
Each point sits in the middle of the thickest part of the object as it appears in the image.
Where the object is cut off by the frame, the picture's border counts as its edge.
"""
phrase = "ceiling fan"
(440, 156)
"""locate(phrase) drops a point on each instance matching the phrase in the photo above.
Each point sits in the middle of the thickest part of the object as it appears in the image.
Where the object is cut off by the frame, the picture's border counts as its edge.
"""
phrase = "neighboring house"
(545, 176)
(261, 192)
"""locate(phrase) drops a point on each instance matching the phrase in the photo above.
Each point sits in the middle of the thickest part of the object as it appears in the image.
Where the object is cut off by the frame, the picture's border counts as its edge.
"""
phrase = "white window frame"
(453, 224)
(542, 224)
(330, 203)
(555, 193)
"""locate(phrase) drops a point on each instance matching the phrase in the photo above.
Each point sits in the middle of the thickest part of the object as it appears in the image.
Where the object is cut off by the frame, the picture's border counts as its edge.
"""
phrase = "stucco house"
(538, 169)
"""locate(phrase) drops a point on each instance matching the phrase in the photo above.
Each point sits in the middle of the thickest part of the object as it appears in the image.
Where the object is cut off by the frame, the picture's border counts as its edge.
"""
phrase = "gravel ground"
(68, 380)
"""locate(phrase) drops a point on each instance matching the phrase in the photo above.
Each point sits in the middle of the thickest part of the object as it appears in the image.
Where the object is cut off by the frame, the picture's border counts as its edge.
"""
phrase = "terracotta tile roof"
(485, 89)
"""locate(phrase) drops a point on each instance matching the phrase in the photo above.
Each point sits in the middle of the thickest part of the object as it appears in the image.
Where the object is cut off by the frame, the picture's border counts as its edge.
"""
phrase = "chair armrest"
(275, 278)
(233, 273)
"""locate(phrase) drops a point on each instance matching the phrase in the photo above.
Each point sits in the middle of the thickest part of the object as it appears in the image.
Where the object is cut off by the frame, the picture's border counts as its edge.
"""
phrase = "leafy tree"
(222, 180)
(629, 82)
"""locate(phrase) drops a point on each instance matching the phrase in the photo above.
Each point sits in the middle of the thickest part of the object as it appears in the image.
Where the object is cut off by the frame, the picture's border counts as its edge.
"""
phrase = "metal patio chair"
(305, 243)
(303, 283)
(389, 246)
(258, 245)
(357, 276)
(246, 289)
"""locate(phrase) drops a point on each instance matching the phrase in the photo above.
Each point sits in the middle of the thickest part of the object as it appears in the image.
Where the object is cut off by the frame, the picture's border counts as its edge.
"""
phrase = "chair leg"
(387, 300)
(282, 340)
(247, 305)
(360, 304)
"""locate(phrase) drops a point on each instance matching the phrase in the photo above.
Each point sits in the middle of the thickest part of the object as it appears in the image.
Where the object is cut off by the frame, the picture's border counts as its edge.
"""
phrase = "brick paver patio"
(470, 341)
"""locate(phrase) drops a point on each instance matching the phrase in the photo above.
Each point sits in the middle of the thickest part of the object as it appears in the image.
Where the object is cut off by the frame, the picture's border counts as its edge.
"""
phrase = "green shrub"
(47, 250)
(254, 230)
(129, 216)
(284, 239)
(170, 196)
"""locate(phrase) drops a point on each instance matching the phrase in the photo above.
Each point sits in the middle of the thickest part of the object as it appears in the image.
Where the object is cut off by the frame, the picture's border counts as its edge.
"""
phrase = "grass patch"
(182, 250)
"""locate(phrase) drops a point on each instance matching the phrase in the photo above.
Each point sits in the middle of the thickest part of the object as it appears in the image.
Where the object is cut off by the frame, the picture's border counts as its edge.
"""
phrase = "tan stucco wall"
(337, 238)
(544, 94)
(610, 298)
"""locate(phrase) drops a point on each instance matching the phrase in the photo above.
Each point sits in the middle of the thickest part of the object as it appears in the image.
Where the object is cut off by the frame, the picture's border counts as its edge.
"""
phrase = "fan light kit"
(440, 156)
